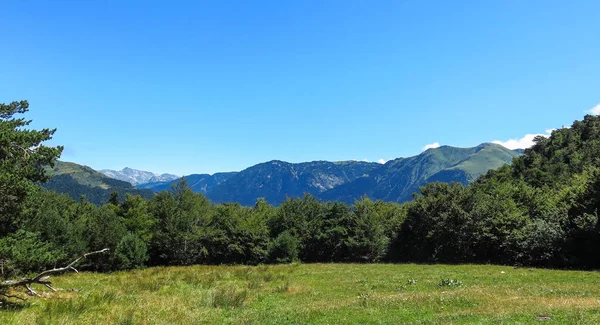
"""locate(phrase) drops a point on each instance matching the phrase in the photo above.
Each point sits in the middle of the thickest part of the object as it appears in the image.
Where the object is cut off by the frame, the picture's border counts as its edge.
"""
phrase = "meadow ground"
(317, 294)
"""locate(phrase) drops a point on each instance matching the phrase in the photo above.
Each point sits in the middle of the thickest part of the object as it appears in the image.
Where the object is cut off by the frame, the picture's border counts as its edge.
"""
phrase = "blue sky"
(201, 87)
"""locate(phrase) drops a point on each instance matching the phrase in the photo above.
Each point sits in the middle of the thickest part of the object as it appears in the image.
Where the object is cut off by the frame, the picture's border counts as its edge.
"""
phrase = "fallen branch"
(42, 278)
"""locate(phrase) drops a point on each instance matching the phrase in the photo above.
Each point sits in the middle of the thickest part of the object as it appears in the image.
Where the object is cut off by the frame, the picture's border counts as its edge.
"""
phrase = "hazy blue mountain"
(136, 177)
(202, 183)
(275, 180)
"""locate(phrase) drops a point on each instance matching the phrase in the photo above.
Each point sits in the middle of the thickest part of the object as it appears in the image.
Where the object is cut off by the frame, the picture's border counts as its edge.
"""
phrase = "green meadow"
(317, 294)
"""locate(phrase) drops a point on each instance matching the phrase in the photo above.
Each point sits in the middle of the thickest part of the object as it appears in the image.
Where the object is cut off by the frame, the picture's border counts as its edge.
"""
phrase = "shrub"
(131, 252)
(284, 249)
(538, 242)
(24, 252)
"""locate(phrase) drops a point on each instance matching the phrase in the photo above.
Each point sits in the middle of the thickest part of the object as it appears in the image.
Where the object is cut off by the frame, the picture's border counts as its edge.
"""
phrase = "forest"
(542, 210)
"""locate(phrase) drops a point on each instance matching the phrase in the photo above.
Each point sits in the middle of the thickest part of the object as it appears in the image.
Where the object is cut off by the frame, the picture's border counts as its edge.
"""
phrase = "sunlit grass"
(317, 293)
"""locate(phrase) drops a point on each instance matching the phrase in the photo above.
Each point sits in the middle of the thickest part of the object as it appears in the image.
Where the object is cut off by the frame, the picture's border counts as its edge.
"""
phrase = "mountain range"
(344, 181)
(77, 181)
(137, 177)
(275, 180)
(398, 179)
(202, 183)
(347, 181)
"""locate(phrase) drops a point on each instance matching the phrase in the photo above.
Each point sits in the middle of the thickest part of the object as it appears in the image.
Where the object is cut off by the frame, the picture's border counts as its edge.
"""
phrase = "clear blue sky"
(198, 86)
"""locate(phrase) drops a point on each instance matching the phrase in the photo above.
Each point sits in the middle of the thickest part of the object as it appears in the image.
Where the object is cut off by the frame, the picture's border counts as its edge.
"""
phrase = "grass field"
(317, 294)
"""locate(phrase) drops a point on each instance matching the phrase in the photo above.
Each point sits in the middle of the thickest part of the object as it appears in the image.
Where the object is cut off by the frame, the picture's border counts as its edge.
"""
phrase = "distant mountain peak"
(399, 178)
(78, 180)
(137, 177)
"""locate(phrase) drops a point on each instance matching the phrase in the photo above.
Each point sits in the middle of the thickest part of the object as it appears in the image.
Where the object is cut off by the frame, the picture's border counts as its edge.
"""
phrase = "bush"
(131, 252)
(283, 249)
(538, 242)
(24, 252)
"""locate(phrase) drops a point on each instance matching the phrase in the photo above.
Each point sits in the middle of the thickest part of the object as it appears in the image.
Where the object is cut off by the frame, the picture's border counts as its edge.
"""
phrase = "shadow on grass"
(9, 305)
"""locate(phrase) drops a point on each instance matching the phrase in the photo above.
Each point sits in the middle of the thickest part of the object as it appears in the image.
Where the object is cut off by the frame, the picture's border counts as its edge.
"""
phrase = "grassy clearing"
(318, 293)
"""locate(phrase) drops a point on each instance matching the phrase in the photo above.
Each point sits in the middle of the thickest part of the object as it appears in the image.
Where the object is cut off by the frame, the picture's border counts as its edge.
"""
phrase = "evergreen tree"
(22, 160)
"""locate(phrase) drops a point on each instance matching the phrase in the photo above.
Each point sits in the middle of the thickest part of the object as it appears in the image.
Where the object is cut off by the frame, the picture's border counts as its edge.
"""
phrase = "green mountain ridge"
(398, 179)
(77, 180)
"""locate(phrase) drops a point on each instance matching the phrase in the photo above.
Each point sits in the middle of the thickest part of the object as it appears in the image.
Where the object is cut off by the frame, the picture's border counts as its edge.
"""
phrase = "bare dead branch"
(31, 291)
(68, 267)
(43, 277)
(50, 287)
(26, 151)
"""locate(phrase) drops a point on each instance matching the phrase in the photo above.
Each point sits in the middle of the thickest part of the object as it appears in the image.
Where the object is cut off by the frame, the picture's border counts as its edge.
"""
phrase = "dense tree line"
(64, 183)
(541, 211)
(180, 227)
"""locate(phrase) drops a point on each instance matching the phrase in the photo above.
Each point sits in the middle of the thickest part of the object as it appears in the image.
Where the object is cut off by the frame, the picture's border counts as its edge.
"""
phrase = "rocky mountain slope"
(137, 177)
(398, 179)
(275, 180)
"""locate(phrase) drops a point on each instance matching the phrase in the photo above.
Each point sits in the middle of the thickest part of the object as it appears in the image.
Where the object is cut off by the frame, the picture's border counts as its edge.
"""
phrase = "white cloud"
(524, 142)
(595, 110)
(432, 146)
(381, 161)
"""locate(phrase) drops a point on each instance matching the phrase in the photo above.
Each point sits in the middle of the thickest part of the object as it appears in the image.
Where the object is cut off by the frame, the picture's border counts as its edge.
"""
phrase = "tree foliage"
(131, 252)
(22, 160)
(542, 210)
